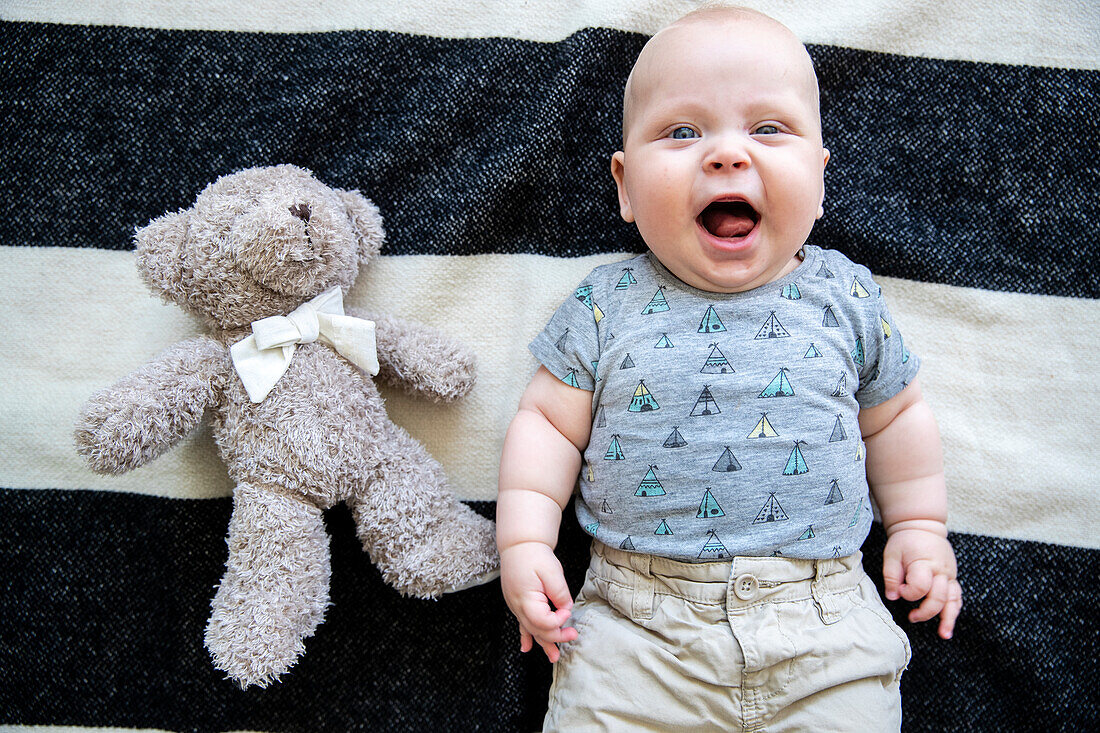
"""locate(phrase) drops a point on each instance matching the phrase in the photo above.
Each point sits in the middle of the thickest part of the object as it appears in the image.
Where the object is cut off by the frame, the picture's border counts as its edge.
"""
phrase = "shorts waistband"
(739, 581)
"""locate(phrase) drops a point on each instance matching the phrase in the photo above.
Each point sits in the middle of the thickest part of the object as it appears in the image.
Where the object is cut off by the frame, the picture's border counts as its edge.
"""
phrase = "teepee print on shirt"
(626, 280)
(791, 292)
(841, 386)
(825, 272)
(705, 405)
(828, 320)
(855, 517)
(835, 495)
(726, 463)
(772, 329)
(713, 549)
(716, 362)
(658, 303)
(664, 343)
(857, 290)
(560, 345)
(808, 534)
(571, 379)
(628, 363)
(708, 507)
(584, 295)
(858, 355)
(780, 386)
(614, 451)
(770, 512)
(643, 400)
(650, 486)
(796, 463)
(813, 352)
(711, 323)
(674, 439)
(838, 431)
(763, 428)
(662, 529)
(627, 544)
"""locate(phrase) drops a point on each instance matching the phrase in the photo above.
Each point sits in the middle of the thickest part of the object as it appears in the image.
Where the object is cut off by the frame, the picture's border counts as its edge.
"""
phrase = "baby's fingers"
(893, 573)
(933, 602)
(526, 641)
(538, 618)
(918, 581)
(549, 642)
(557, 590)
(951, 610)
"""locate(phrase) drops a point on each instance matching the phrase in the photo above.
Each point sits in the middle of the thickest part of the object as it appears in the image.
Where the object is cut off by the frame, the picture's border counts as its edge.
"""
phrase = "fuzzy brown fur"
(246, 250)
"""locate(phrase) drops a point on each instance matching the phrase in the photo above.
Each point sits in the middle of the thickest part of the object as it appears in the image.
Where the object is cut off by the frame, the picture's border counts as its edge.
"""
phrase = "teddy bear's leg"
(275, 588)
(423, 540)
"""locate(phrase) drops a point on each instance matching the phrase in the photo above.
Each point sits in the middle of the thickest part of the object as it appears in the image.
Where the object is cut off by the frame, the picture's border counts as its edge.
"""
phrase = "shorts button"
(746, 587)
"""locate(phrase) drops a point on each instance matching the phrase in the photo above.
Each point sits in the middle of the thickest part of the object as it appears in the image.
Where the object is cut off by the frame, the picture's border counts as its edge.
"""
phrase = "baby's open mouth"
(729, 219)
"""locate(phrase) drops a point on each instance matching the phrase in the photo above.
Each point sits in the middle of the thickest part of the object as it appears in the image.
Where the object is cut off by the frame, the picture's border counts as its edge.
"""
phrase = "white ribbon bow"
(263, 358)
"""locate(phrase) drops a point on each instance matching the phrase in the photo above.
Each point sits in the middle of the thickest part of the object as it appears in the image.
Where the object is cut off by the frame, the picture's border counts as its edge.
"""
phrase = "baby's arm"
(905, 471)
(538, 469)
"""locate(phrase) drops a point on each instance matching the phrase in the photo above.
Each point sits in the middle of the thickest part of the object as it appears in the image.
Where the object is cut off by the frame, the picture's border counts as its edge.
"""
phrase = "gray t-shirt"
(726, 424)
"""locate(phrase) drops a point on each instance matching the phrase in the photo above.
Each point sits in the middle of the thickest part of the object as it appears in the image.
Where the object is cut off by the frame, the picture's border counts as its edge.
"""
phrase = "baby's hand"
(919, 563)
(532, 579)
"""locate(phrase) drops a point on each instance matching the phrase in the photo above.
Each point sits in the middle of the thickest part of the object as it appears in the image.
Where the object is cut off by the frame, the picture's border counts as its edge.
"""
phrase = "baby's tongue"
(728, 220)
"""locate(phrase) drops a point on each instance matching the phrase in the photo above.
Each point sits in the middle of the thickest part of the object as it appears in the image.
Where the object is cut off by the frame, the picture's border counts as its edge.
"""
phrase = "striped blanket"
(964, 139)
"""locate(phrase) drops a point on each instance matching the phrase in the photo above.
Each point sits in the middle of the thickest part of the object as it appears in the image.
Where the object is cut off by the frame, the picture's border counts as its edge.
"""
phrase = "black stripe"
(104, 602)
(104, 598)
(954, 172)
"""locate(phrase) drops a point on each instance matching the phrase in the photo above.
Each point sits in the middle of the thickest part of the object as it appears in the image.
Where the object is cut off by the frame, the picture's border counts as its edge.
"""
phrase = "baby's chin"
(731, 275)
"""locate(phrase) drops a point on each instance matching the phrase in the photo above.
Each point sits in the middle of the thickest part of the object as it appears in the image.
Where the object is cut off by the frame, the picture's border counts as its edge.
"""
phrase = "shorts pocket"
(869, 599)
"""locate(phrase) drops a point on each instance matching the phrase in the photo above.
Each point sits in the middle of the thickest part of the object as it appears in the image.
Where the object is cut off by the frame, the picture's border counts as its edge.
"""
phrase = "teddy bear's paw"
(482, 579)
(451, 376)
(113, 437)
(455, 553)
(251, 652)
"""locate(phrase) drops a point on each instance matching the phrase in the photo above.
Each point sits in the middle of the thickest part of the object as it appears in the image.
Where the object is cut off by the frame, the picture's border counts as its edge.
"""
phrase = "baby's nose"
(725, 155)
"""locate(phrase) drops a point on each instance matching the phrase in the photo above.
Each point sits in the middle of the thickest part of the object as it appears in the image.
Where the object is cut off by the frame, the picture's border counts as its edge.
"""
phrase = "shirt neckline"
(810, 254)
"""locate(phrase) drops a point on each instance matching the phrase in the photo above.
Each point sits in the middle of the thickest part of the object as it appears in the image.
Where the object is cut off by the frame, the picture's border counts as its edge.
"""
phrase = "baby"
(727, 399)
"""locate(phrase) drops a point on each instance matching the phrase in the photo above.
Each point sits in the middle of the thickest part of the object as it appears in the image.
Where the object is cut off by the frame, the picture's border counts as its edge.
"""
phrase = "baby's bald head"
(723, 19)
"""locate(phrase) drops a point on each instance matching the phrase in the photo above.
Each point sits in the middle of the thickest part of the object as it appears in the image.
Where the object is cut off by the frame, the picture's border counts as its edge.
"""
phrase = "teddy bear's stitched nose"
(301, 211)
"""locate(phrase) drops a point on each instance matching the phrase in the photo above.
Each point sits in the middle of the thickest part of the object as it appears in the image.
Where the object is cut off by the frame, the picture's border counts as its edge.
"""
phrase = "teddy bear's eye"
(301, 211)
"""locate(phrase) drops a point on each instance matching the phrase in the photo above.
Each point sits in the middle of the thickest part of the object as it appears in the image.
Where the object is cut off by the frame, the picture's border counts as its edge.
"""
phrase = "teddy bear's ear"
(159, 246)
(367, 223)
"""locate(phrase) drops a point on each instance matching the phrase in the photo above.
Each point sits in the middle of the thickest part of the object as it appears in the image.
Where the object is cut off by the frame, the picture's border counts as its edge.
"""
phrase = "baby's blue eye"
(766, 130)
(683, 133)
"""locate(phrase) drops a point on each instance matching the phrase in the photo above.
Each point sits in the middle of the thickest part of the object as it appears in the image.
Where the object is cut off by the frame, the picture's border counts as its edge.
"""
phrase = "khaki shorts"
(751, 644)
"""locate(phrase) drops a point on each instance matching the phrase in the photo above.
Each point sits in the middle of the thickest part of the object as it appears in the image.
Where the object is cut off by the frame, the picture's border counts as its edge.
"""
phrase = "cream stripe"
(1016, 404)
(1037, 32)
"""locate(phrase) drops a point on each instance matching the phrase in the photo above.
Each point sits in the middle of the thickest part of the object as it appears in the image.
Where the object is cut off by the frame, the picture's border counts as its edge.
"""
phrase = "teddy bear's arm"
(148, 411)
(422, 360)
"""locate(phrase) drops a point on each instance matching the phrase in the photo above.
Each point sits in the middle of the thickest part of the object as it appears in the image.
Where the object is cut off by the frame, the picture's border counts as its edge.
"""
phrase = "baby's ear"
(159, 246)
(367, 222)
(618, 172)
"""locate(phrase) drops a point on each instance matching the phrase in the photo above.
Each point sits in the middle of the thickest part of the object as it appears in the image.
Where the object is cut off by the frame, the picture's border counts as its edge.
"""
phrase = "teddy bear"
(288, 376)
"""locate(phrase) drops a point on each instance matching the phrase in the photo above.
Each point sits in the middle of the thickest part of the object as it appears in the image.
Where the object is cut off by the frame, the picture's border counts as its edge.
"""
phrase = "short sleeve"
(569, 346)
(885, 364)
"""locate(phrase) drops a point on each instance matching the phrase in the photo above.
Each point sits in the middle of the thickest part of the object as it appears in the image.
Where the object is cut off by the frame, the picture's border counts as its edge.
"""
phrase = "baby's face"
(722, 163)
